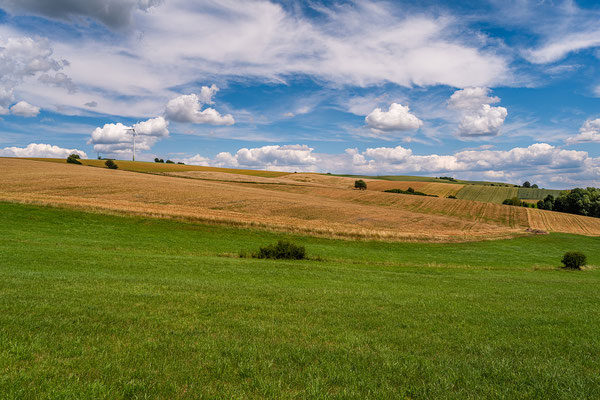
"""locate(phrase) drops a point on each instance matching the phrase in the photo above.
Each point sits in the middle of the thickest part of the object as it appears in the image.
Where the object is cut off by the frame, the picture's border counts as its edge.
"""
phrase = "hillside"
(311, 203)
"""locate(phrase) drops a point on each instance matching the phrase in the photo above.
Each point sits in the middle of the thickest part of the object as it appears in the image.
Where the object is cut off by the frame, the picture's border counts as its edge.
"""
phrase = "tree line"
(577, 201)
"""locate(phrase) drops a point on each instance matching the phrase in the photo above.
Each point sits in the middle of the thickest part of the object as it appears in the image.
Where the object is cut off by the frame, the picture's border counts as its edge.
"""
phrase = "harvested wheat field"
(311, 206)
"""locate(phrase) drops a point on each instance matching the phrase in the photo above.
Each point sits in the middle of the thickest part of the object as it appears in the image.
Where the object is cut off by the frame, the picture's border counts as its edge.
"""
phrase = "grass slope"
(537, 194)
(488, 194)
(98, 306)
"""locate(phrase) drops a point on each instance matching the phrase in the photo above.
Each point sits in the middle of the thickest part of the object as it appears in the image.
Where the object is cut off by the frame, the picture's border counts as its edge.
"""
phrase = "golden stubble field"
(308, 203)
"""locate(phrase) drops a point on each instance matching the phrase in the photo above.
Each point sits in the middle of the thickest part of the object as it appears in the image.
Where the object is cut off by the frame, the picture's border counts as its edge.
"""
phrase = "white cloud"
(40, 150)
(158, 127)
(360, 43)
(186, 108)
(397, 118)
(24, 109)
(207, 93)
(471, 98)
(540, 162)
(589, 132)
(268, 157)
(486, 122)
(118, 139)
(59, 80)
(113, 13)
(21, 58)
(477, 116)
(558, 47)
(195, 160)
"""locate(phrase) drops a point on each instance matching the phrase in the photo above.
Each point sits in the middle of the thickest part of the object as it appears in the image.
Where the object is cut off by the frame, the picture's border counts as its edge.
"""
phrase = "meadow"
(99, 306)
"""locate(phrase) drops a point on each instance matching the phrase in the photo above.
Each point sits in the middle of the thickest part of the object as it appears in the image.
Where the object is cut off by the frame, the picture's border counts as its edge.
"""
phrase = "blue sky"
(495, 90)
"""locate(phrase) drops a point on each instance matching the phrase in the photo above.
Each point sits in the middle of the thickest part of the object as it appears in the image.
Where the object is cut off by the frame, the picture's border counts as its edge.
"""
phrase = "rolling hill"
(310, 203)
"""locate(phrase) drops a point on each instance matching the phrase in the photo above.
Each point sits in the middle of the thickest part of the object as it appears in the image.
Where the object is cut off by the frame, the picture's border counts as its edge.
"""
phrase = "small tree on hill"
(111, 164)
(74, 159)
(526, 184)
(574, 260)
(360, 185)
(535, 186)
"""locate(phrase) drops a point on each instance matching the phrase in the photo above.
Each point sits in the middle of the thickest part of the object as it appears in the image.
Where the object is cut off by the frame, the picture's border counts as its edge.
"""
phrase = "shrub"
(282, 250)
(360, 185)
(526, 184)
(169, 162)
(452, 196)
(73, 159)
(111, 164)
(574, 260)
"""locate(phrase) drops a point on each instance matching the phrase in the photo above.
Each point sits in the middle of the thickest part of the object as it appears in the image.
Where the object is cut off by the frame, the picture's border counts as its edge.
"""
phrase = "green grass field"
(97, 306)
(489, 194)
(537, 194)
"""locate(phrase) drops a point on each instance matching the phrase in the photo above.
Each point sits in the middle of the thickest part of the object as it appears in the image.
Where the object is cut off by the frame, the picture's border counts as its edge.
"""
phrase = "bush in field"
(169, 162)
(73, 159)
(515, 201)
(574, 260)
(360, 185)
(526, 184)
(282, 250)
(111, 164)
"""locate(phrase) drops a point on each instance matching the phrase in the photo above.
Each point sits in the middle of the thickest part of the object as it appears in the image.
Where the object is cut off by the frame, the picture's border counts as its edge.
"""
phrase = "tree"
(360, 185)
(170, 162)
(111, 164)
(574, 260)
(74, 159)
(547, 203)
(526, 184)
(535, 186)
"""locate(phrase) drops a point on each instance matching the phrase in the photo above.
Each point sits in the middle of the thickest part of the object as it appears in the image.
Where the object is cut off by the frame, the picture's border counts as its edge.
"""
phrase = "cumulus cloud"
(196, 160)
(268, 157)
(113, 13)
(186, 108)
(588, 133)
(397, 118)
(477, 116)
(539, 161)
(40, 150)
(24, 109)
(487, 121)
(471, 98)
(118, 139)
